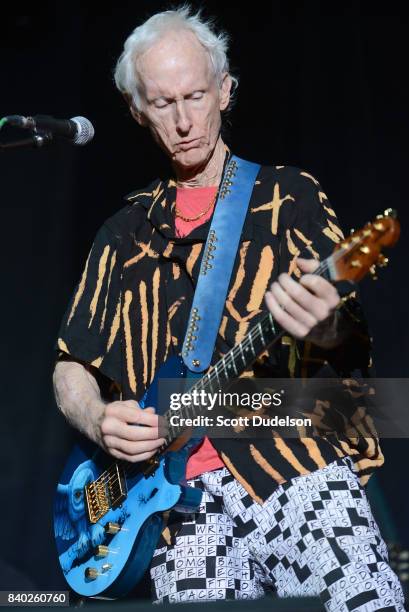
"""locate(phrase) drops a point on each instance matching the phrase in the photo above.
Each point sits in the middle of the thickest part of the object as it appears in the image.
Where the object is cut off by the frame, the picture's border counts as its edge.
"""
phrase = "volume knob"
(112, 528)
(101, 551)
(91, 573)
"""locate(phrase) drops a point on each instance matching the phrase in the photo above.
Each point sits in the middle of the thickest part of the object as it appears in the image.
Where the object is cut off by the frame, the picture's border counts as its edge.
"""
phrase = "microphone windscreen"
(85, 131)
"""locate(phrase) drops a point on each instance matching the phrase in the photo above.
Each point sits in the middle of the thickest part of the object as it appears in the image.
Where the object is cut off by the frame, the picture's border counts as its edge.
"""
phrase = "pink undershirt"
(190, 202)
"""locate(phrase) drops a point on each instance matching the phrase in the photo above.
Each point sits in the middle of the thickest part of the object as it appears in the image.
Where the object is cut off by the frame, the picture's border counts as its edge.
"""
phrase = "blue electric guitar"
(108, 513)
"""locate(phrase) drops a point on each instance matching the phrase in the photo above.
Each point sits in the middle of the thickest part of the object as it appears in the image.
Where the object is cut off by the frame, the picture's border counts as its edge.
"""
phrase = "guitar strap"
(217, 263)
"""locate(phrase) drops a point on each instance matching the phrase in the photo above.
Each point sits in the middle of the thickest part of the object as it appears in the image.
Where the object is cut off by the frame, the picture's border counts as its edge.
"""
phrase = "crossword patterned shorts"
(314, 536)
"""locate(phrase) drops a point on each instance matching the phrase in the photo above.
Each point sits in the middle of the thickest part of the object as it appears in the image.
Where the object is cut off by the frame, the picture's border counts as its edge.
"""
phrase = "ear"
(224, 91)
(136, 114)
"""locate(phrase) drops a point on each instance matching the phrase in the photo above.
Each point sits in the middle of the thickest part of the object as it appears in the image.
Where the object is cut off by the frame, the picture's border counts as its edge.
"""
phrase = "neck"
(208, 175)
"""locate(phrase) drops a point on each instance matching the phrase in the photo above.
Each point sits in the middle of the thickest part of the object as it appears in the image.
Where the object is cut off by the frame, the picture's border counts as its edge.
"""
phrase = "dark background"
(323, 86)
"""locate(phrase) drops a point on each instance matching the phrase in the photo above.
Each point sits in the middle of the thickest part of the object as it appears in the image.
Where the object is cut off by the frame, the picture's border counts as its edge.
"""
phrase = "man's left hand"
(306, 309)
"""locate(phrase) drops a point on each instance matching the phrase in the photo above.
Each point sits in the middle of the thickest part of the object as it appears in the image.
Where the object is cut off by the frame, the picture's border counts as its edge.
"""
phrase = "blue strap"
(217, 263)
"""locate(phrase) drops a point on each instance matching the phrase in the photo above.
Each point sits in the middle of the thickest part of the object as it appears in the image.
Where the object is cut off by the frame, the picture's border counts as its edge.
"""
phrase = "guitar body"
(95, 561)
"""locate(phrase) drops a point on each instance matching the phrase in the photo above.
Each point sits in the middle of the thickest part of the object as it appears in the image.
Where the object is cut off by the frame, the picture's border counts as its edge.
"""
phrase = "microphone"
(78, 130)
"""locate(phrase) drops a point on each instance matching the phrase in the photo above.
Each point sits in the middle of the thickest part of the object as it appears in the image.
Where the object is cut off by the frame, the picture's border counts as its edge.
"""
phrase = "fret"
(216, 371)
(242, 354)
(208, 381)
(268, 329)
(231, 353)
(198, 384)
(186, 409)
(261, 332)
(326, 269)
(324, 272)
(223, 365)
(170, 428)
(272, 326)
(183, 412)
(201, 386)
(228, 364)
(246, 345)
(251, 343)
(195, 410)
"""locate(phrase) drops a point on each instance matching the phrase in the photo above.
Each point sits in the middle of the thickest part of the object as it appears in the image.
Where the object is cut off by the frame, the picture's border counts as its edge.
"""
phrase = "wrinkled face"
(181, 98)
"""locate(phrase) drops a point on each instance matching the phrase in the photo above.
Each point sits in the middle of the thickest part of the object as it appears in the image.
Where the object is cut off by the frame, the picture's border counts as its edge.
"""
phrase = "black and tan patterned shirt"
(129, 311)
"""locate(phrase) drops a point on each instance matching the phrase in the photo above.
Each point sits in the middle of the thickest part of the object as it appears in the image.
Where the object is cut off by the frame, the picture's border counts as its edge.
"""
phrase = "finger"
(133, 432)
(161, 421)
(291, 307)
(130, 403)
(307, 265)
(316, 306)
(131, 458)
(132, 448)
(285, 320)
(321, 288)
(135, 415)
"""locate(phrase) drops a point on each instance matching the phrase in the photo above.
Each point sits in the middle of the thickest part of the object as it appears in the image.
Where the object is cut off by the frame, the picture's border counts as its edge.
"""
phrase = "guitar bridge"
(105, 493)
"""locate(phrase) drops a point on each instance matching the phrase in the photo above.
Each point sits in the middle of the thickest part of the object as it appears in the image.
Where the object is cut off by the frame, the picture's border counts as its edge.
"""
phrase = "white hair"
(146, 35)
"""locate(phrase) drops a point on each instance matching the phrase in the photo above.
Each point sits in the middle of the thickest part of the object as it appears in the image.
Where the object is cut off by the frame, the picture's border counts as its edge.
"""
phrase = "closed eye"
(196, 95)
(162, 102)
(165, 102)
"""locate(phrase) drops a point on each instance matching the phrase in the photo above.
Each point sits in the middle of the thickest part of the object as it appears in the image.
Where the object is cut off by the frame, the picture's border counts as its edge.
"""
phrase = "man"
(287, 515)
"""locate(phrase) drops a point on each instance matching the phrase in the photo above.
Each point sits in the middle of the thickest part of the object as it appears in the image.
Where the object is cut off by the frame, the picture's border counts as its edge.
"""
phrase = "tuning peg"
(391, 212)
(382, 261)
(372, 272)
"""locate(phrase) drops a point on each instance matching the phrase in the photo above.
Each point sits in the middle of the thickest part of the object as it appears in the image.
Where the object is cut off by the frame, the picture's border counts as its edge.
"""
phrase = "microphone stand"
(36, 140)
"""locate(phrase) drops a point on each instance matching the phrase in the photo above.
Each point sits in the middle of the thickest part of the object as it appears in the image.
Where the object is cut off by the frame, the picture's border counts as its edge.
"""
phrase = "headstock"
(360, 253)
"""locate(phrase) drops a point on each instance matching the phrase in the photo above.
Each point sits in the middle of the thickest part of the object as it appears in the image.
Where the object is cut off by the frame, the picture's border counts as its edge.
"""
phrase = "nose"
(183, 120)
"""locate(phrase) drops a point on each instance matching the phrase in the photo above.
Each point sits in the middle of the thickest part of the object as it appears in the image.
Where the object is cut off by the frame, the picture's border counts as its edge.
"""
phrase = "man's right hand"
(122, 436)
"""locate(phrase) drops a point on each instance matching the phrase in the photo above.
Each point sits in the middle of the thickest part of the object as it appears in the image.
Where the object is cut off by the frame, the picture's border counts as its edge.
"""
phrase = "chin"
(192, 157)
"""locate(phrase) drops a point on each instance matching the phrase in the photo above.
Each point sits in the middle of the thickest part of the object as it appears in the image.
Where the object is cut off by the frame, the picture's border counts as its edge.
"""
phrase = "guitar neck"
(234, 363)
